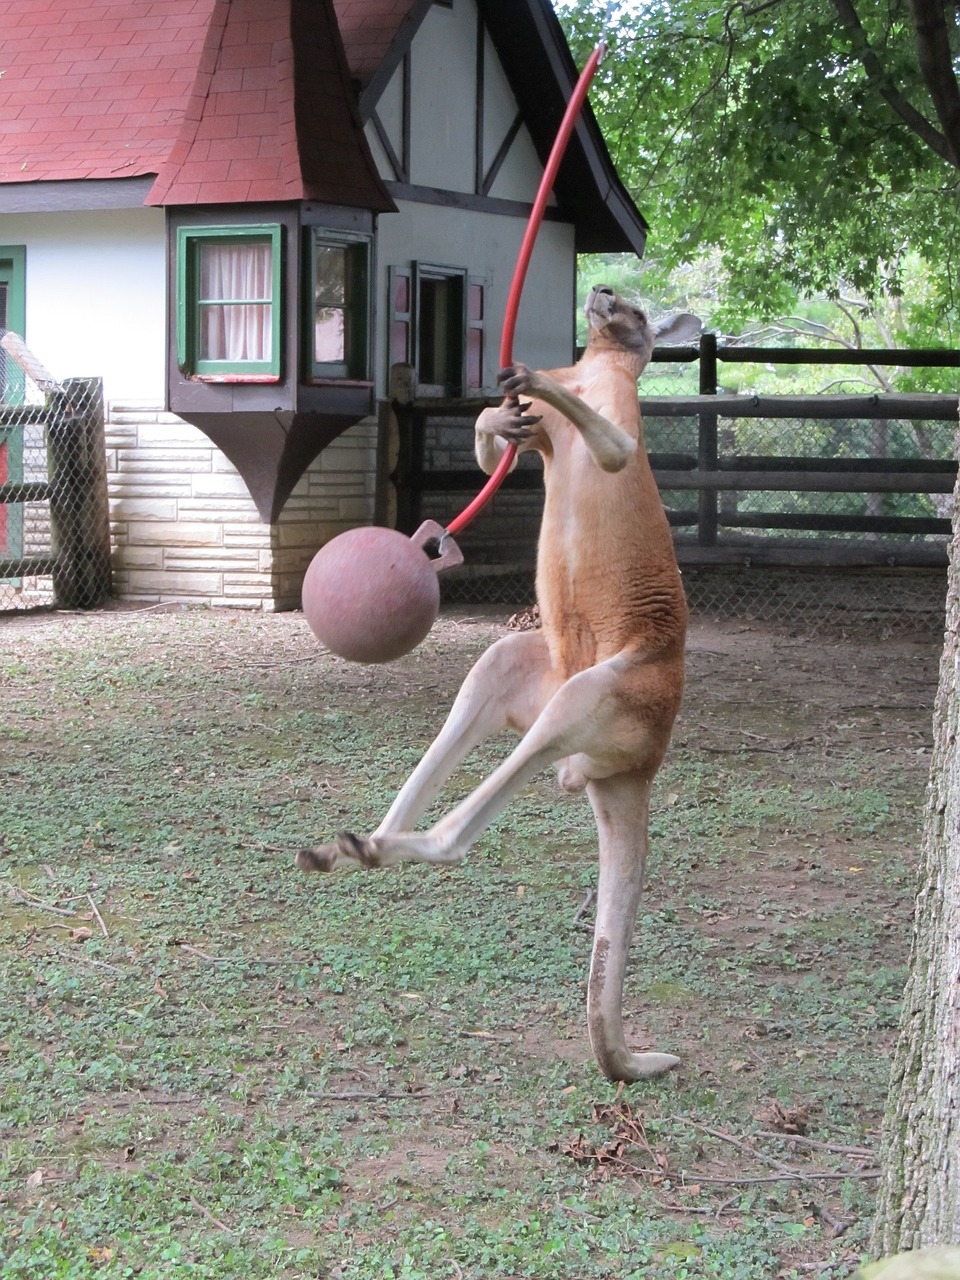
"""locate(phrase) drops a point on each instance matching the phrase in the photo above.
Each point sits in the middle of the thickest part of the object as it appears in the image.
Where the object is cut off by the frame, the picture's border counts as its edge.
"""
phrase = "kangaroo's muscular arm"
(507, 423)
(610, 445)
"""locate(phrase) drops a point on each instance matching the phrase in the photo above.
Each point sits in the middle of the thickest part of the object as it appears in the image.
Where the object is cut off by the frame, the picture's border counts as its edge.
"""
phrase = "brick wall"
(185, 528)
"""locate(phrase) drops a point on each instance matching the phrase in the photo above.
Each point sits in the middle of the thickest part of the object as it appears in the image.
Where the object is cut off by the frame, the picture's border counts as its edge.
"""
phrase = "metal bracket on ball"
(430, 534)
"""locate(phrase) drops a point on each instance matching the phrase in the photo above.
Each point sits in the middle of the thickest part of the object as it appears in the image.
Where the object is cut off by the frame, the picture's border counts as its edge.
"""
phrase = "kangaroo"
(596, 690)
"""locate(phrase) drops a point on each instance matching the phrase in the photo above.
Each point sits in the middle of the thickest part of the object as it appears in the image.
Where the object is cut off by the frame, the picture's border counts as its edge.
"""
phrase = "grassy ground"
(211, 1065)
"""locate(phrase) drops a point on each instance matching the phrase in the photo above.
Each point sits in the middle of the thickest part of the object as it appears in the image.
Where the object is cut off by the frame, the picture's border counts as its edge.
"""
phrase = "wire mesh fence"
(886, 602)
(835, 516)
(54, 519)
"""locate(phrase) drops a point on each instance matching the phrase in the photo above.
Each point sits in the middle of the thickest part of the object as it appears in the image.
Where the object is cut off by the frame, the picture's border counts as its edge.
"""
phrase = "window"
(12, 316)
(436, 324)
(229, 302)
(338, 327)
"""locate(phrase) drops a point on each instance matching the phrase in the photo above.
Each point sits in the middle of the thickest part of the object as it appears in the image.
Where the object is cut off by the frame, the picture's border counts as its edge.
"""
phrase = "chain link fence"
(54, 519)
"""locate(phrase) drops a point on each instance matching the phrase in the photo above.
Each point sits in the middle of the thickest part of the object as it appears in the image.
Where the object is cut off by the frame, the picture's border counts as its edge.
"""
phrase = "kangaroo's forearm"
(611, 446)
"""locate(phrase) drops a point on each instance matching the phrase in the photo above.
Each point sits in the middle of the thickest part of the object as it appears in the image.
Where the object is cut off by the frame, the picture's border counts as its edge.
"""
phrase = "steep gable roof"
(533, 51)
(370, 29)
(272, 114)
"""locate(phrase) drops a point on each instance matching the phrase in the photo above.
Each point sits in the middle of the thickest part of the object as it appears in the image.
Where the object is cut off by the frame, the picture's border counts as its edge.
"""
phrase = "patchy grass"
(211, 1065)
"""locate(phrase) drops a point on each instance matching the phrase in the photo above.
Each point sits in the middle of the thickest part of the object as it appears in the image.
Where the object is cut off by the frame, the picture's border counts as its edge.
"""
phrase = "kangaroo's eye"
(639, 314)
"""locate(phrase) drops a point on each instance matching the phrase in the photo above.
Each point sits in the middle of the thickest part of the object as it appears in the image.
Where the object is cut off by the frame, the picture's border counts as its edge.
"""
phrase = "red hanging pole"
(520, 273)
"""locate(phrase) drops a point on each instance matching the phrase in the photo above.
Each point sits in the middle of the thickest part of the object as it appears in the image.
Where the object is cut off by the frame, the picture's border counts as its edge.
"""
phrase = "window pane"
(399, 342)
(329, 342)
(433, 332)
(330, 291)
(236, 312)
(331, 275)
(236, 332)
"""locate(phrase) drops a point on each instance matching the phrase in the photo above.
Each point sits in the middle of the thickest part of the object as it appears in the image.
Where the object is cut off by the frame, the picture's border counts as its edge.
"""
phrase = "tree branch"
(936, 66)
(881, 81)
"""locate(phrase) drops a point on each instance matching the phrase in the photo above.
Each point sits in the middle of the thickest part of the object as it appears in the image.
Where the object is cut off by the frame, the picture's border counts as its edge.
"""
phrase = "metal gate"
(54, 517)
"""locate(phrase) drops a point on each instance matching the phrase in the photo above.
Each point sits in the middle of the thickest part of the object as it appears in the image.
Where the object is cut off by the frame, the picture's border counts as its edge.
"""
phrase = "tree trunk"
(919, 1198)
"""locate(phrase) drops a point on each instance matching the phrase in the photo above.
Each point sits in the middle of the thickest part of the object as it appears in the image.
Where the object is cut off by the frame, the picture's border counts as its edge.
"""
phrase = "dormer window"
(228, 302)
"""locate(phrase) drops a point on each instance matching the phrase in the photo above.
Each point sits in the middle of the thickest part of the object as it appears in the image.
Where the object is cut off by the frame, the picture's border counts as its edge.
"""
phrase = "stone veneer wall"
(185, 528)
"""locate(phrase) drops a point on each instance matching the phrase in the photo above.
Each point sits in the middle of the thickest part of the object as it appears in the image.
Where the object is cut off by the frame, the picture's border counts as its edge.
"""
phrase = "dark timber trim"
(502, 153)
(395, 162)
(398, 51)
(478, 107)
(467, 200)
(406, 112)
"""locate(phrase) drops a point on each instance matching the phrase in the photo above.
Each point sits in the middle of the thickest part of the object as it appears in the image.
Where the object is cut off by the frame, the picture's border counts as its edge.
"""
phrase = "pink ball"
(370, 595)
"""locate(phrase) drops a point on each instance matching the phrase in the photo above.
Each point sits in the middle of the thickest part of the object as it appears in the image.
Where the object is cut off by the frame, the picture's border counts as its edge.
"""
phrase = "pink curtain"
(240, 327)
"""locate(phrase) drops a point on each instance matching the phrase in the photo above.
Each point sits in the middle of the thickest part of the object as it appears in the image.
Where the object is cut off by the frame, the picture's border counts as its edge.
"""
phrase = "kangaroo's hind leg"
(506, 689)
(620, 805)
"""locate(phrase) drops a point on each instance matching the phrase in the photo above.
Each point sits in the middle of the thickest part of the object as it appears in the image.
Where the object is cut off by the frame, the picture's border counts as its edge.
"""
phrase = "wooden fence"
(716, 532)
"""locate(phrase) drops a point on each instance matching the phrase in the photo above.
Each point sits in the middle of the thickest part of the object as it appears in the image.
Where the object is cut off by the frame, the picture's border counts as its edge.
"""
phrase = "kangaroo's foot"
(327, 857)
(631, 1067)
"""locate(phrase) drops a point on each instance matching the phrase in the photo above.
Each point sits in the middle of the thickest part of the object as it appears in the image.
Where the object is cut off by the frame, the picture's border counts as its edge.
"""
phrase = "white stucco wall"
(95, 296)
(443, 126)
(488, 244)
(442, 96)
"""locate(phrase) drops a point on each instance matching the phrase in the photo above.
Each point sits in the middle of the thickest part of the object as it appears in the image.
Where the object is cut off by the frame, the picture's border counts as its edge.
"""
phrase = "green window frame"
(229, 303)
(13, 316)
(337, 297)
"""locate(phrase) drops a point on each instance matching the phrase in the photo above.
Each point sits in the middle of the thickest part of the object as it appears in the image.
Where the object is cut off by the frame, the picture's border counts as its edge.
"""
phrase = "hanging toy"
(371, 594)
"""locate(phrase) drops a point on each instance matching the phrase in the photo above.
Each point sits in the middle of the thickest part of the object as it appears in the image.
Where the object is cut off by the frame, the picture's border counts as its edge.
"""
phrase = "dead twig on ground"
(31, 900)
(864, 1152)
(99, 917)
(208, 1215)
(584, 907)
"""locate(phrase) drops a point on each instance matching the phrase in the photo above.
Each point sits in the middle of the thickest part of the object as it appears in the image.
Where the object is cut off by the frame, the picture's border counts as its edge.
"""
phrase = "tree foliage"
(811, 142)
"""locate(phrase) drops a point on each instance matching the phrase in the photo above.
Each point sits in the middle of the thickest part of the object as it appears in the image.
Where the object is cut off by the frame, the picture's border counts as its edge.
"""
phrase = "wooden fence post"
(707, 442)
(79, 511)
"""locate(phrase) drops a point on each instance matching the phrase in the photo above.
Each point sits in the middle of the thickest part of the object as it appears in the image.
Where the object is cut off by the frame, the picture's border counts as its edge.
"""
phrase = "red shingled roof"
(272, 115)
(109, 88)
(94, 88)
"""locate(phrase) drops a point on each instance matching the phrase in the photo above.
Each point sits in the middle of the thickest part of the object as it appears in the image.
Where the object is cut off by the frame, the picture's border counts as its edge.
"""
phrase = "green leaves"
(756, 130)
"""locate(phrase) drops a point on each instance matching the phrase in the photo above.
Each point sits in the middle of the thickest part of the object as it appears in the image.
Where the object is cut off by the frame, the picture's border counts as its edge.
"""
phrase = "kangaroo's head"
(619, 325)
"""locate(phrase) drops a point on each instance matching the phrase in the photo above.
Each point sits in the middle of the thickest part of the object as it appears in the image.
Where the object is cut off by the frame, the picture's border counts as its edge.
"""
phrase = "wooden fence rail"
(717, 533)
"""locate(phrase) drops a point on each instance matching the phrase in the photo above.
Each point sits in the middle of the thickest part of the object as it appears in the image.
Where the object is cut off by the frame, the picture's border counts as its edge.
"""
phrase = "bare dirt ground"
(163, 764)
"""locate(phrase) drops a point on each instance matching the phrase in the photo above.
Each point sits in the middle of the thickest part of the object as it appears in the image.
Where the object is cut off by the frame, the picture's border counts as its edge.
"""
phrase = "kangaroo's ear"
(679, 328)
